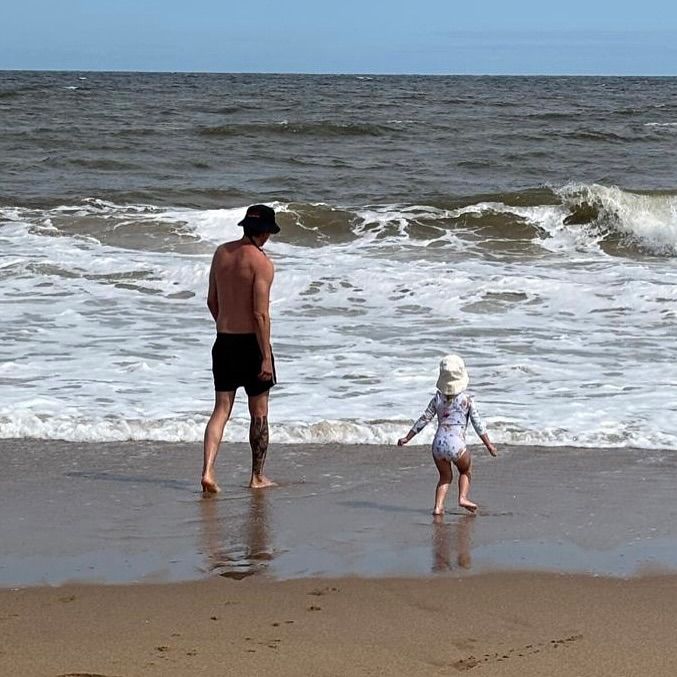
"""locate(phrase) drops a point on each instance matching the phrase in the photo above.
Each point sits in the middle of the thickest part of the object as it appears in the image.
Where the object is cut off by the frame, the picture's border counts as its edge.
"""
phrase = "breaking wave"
(284, 127)
(645, 220)
(190, 429)
(575, 215)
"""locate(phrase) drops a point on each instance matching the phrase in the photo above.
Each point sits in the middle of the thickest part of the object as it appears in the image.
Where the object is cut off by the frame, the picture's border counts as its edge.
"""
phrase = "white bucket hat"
(453, 377)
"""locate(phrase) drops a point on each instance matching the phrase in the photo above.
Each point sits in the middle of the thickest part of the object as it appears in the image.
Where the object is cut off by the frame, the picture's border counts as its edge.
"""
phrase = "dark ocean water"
(529, 224)
(205, 140)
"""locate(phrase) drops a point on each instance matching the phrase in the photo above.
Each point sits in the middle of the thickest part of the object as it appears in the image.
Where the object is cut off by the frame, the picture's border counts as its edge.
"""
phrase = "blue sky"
(348, 36)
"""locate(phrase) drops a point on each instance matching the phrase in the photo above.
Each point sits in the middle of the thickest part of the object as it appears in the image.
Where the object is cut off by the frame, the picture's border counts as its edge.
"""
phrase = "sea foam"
(107, 336)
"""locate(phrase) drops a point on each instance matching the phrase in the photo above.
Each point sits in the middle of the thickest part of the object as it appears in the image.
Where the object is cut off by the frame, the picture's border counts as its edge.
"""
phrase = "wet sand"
(374, 584)
(133, 512)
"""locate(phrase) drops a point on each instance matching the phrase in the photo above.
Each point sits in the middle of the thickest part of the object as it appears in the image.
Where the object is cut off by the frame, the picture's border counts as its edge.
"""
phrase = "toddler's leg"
(464, 464)
(444, 468)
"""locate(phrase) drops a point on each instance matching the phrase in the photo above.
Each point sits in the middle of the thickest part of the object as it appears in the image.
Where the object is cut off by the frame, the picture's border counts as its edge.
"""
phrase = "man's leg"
(258, 439)
(213, 435)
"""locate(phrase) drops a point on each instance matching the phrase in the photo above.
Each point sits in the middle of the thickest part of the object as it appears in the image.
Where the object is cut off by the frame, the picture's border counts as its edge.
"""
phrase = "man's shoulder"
(252, 256)
(260, 261)
(234, 247)
(230, 246)
(224, 248)
(264, 269)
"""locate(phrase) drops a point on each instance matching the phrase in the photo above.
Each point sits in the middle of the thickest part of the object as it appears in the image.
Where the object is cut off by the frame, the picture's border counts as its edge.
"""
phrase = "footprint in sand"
(466, 663)
(83, 674)
(471, 661)
(274, 643)
(318, 592)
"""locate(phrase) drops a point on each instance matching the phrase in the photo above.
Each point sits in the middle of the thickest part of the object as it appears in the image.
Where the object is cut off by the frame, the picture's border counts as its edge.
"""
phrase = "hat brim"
(447, 387)
(259, 227)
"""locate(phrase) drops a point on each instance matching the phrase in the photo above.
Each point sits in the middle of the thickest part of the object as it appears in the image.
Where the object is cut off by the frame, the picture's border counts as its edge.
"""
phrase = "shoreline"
(131, 512)
(570, 568)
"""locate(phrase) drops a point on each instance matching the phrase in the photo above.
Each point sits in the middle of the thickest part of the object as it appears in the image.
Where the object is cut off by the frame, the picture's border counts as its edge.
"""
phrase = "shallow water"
(132, 512)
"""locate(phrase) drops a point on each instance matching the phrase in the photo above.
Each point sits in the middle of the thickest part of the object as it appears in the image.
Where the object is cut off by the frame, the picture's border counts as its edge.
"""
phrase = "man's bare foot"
(209, 486)
(261, 482)
(468, 505)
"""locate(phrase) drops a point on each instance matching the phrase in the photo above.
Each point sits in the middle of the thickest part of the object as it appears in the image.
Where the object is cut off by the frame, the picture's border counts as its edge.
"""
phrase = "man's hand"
(266, 373)
(492, 449)
(402, 441)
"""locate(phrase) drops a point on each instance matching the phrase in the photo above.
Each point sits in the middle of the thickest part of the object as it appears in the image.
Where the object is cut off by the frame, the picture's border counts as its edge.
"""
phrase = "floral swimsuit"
(453, 413)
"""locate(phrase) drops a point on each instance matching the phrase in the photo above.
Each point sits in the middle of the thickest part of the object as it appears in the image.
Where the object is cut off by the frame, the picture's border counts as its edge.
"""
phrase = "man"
(239, 298)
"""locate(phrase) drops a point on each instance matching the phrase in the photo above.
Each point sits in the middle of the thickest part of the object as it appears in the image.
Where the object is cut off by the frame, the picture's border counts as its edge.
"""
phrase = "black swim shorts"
(236, 361)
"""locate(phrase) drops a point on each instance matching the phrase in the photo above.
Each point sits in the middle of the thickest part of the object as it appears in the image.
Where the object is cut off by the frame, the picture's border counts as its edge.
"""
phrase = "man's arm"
(212, 294)
(263, 280)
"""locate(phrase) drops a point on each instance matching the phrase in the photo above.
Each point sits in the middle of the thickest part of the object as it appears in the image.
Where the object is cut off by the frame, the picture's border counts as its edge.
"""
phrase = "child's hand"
(492, 449)
(402, 441)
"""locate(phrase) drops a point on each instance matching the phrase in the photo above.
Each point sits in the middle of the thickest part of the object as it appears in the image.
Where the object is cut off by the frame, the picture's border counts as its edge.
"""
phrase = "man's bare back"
(235, 267)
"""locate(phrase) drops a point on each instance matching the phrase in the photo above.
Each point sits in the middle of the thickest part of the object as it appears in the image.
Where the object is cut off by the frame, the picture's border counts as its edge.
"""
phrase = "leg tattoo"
(258, 440)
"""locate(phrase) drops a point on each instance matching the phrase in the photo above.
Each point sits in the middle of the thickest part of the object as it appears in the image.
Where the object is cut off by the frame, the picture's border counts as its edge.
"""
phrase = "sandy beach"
(492, 624)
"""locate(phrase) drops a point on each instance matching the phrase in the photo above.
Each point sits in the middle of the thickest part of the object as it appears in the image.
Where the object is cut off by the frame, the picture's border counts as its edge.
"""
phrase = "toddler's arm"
(422, 422)
(479, 426)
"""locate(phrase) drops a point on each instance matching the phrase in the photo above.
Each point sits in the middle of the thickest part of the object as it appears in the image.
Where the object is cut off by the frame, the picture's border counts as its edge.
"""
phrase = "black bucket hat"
(261, 219)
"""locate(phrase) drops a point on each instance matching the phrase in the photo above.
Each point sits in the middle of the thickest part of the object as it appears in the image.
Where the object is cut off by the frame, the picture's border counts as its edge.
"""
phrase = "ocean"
(528, 224)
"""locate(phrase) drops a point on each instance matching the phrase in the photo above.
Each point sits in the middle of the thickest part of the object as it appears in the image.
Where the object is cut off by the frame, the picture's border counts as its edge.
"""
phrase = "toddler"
(454, 406)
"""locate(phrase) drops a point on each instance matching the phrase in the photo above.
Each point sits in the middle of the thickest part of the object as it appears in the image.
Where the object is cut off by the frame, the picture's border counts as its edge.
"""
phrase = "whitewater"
(563, 306)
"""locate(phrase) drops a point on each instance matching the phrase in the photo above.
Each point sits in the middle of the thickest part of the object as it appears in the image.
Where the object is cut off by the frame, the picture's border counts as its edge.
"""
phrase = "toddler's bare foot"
(209, 485)
(468, 505)
(438, 511)
(261, 482)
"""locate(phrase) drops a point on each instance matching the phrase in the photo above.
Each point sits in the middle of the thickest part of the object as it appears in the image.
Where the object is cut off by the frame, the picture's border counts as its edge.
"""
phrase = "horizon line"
(339, 73)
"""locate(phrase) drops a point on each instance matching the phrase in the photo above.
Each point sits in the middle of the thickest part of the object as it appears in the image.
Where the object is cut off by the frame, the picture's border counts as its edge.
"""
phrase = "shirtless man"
(239, 297)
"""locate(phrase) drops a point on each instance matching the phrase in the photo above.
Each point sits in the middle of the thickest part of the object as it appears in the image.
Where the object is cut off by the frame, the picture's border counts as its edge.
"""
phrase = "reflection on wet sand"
(241, 552)
(458, 532)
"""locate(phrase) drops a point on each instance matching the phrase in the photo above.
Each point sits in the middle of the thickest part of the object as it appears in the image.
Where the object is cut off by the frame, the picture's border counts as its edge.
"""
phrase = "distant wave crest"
(321, 129)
